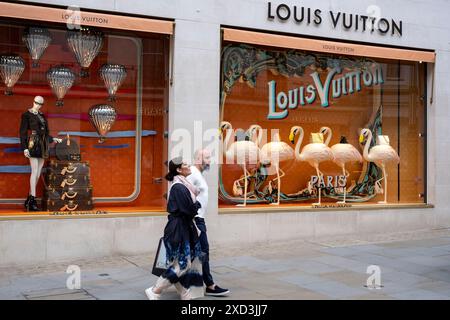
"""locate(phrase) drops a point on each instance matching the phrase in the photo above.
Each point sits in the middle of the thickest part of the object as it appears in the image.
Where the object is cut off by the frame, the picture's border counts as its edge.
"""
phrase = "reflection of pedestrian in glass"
(201, 163)
(181, 237)
(35, 140)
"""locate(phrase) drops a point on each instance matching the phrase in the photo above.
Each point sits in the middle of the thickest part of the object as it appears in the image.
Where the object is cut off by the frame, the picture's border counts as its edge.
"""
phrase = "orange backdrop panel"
(112, 170)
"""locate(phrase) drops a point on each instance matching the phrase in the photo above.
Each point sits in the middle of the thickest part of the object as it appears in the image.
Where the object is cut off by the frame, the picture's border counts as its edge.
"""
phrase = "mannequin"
(35, 145)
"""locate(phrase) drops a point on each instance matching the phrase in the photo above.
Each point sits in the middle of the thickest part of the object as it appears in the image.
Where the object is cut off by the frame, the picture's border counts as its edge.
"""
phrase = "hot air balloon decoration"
(102, 117)
(11, 68)
(60, 80)
(113, 75)
(37, 40)
(85, 43)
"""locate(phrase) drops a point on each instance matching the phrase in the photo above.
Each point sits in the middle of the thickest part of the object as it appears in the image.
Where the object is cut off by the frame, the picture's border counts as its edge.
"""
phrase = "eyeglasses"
(39, 103)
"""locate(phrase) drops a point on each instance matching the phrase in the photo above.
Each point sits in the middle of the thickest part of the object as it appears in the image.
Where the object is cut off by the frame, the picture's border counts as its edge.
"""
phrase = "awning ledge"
(84, 18)
(291, 42)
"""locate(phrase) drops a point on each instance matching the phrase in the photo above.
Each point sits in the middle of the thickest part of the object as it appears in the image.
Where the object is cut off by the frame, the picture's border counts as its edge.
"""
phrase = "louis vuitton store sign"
(367, 23)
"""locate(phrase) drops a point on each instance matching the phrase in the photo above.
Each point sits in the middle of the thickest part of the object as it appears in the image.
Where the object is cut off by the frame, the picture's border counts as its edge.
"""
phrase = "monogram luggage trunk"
(69, 193)
(68, 168)
(77, 181)
(67, 205)
(68, 186)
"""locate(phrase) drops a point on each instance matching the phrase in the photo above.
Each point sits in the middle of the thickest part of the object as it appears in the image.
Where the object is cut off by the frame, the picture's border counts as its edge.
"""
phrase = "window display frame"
(280, 42)
(30, 13)
(138, 142)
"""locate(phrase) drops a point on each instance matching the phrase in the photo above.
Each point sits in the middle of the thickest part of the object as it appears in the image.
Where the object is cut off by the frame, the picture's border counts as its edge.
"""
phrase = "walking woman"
(183, 250)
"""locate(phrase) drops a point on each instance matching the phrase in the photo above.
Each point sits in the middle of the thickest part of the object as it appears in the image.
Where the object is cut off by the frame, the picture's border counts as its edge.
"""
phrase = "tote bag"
(160, 264)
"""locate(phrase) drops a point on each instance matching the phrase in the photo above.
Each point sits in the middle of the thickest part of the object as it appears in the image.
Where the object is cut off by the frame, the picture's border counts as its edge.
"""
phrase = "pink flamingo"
(343, 152)
(381, 154)
(316, 153)
(274, 153)
(245, 152)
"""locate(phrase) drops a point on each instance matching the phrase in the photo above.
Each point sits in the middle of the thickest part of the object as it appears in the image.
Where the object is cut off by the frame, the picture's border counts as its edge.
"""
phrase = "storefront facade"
(288, 69)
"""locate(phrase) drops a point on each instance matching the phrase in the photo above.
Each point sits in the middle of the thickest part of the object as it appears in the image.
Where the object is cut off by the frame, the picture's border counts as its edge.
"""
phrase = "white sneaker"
(185, 294)
(151, 295)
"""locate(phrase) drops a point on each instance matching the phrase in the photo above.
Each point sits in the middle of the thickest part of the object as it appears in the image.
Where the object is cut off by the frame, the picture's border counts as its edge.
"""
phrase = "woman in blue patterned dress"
(181, 239)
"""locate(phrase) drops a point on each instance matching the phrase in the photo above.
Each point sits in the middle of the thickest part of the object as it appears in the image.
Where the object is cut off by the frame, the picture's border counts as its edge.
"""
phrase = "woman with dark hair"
(183, 250)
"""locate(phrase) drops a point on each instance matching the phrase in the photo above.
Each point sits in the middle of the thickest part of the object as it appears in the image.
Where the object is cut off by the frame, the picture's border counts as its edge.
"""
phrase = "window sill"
(44, 215)
(255, 209)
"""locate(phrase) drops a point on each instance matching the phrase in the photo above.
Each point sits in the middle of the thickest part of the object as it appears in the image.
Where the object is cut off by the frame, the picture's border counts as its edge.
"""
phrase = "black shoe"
(32, 204)
(217, 291)
(27, 202)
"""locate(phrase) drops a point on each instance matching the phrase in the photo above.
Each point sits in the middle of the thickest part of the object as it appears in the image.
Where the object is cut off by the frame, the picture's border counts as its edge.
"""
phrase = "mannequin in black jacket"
(34, 140)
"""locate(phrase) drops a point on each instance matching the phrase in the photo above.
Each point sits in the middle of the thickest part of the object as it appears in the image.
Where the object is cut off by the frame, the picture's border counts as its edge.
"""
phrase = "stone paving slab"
(445, 248)
(414, 265)
(439, 275)
(372, 297)
(10, 294)
(346, 277)
(219, 269)
(414, 269)
(437, 286)
(268, 287)
(340, 251)
(302, 279)
(343, 263)
(300, 294)
(403, 279)
(100, 283)
(419, 294)
(335, 289)
(314, 267)
(427, 261)
(58, 294)
(117, 293)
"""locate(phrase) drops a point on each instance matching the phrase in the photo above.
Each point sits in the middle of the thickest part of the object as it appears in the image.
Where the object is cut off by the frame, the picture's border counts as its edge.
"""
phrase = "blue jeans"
(207, 277)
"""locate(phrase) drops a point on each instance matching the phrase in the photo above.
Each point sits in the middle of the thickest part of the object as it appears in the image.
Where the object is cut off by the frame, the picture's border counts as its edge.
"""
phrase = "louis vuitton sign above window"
(372, 22)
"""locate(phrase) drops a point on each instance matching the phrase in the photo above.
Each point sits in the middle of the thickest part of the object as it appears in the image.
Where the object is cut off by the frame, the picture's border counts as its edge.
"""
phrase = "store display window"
(320, 129)
(104, 94)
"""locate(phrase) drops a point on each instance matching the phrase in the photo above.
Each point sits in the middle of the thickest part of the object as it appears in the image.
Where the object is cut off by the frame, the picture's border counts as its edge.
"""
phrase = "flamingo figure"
(297, 130)
(316, 153)
(245, 152)
(274, 153)
(292, 134)
(237, 188)
(343, 152)
(381, 154)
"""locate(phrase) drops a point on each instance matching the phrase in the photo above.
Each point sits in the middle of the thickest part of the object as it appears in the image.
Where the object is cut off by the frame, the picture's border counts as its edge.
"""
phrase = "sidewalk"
(414, 265)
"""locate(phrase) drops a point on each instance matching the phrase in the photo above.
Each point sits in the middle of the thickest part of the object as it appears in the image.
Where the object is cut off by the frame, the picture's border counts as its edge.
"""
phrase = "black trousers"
(207, 277)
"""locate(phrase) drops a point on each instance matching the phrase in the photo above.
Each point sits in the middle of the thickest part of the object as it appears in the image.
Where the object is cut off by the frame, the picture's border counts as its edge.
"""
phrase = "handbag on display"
(75, 157)
(160, 264)
(68, 149)
(316, 137)
(382, 140)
